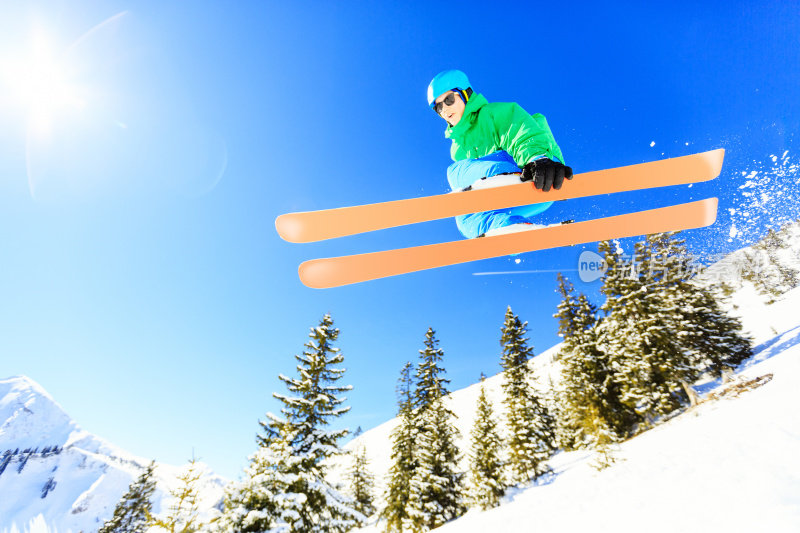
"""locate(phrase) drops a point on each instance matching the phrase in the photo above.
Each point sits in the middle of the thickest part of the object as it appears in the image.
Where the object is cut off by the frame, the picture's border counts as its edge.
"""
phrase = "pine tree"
(404, 463)
(789, 237)
(182, 515)
(711, 336)
(640, 333)
(436, 484)
(716, 337)
(430, 383)
(776, 276)
(133, 512)
(362, 483)
(487, 479)
(266, 499)
(590, 400)
(602, 439)
(572, 398)
(285, 484)
(662, 330)
(531, 427)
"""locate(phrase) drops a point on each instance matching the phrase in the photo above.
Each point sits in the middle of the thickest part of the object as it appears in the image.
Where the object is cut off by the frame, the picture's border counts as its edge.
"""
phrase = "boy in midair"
(489, 139)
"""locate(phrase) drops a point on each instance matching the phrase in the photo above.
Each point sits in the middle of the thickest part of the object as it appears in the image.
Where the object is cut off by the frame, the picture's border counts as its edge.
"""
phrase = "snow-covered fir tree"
(266, 499)
(531, 436)
(362, 483)
(713, 338)
(661, 330)
(398, 486)
(487, 480)
(285, 488)
(574, 321)
(774, 268)
(789, 236)
(591, 412)
(602, 439)
(640, 335)
(431, 385)
(437, 483)
(133, 512)
(182, 514)
(778, 244)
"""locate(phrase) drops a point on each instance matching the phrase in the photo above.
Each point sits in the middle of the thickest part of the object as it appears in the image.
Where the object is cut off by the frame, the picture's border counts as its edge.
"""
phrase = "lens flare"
(42, 83)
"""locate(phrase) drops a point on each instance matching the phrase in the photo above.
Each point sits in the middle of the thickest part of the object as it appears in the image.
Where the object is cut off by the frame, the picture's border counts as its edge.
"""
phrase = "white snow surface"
(731, 464)
(77, 488)
(727, 466)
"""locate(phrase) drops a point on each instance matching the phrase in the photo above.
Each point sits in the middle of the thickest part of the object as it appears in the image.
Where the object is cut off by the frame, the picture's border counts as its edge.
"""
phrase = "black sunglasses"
(449, 100)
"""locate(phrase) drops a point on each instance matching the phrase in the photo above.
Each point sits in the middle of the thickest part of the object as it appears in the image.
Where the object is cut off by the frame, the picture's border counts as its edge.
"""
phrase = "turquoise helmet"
(445, 81)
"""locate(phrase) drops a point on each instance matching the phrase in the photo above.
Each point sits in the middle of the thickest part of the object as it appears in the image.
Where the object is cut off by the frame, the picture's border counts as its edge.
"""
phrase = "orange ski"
(337, 271)
(312, 226)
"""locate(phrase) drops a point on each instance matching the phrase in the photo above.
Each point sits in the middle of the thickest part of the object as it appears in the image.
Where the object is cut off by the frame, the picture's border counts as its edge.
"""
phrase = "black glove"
(546, 173)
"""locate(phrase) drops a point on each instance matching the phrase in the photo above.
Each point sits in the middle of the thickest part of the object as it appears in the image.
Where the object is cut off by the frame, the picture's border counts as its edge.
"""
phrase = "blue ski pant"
(464, 173)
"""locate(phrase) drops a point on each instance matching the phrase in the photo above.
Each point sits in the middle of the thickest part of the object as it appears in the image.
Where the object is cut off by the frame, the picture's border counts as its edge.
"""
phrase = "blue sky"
(143, 283)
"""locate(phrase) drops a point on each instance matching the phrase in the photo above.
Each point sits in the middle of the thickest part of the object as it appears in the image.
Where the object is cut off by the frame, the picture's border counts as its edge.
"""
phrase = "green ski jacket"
(485, 128)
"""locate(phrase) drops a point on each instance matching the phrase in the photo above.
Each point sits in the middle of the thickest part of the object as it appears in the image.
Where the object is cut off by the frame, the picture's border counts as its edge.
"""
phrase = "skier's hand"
(546, 173)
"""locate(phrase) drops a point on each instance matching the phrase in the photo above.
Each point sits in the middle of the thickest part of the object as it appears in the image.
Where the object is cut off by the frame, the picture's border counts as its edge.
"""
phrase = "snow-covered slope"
(462, 402)
(50, 467)
(727, 465)
(730, 464)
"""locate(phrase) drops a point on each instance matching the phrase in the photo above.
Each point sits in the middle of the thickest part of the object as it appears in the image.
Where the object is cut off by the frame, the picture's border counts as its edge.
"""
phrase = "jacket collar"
(474, 104)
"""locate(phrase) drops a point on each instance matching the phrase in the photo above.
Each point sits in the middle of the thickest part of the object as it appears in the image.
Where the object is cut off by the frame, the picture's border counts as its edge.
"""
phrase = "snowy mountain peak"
(64, 476)
(29, 417)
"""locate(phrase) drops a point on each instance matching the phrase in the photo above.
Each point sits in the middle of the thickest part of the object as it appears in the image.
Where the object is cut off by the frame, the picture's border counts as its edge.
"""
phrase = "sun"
(42, 83)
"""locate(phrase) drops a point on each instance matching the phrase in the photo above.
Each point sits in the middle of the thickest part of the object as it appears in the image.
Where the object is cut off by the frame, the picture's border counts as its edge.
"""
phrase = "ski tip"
(316, 274)
(715, 159)
(694, 215)
(289, 228)
(710, 214)
(331, 272)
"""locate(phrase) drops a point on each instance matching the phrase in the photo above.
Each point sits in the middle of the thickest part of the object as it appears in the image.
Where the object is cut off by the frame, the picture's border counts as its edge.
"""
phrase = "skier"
(489, 139)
